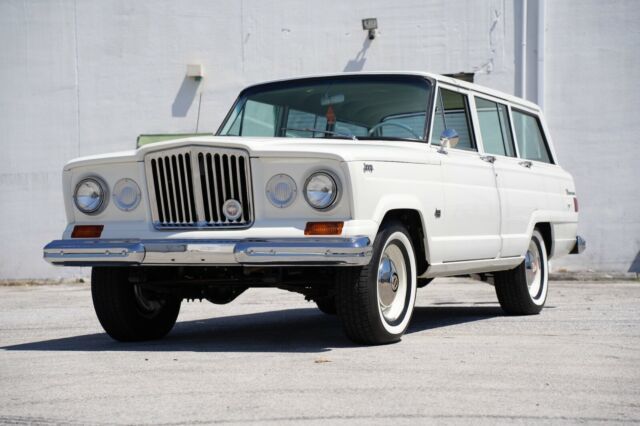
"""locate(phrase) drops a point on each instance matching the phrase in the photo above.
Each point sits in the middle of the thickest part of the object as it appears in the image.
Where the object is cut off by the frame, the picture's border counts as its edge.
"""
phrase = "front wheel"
(523, 290)
(375, 303)
(127, 311)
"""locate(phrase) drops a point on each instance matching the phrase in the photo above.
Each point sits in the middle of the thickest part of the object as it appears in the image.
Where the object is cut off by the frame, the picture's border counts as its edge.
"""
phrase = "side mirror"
(449, 138)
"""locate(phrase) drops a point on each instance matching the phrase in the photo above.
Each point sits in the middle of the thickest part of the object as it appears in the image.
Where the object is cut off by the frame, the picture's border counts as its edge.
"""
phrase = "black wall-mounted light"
(371, 25)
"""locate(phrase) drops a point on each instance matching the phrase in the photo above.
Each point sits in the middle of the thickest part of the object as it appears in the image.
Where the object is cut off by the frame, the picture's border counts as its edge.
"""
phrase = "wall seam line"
(77, 78)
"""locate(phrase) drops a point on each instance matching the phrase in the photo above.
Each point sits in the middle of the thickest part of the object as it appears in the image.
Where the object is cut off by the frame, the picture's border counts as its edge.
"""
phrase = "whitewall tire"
(523, 290)
(375, 303)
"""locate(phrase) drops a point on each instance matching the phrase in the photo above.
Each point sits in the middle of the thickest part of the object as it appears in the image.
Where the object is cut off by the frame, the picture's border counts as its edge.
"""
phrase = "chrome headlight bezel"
(117, 196)
(270, 190)
(103, 195)
(337, 193)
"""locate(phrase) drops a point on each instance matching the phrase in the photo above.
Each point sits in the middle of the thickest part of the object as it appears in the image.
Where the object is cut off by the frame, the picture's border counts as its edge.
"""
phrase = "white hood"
(336, 149)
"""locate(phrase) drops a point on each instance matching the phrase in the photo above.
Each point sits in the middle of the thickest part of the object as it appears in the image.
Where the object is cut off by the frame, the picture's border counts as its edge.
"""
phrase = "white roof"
(437, 77)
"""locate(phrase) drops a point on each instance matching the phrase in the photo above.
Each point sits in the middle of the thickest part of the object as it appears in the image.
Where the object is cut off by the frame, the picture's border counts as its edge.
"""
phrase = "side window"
(259, 119)
(452, 112)
(529, 137)
(494, 128)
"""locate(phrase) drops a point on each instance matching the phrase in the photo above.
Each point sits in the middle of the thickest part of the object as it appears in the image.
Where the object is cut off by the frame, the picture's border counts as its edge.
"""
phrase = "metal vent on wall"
(188, 187)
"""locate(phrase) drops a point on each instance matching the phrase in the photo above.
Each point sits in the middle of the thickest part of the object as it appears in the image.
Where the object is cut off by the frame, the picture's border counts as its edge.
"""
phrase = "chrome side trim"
(581, 245)
(276, 252)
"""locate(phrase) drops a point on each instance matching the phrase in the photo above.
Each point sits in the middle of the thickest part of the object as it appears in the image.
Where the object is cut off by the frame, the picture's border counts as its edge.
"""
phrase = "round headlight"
(281, 190)
(126, 194)
(90, 195)
(321, 190)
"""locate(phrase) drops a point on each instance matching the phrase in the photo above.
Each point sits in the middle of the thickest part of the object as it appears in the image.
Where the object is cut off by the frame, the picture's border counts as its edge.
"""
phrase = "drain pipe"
(523, 52)
(540, 69)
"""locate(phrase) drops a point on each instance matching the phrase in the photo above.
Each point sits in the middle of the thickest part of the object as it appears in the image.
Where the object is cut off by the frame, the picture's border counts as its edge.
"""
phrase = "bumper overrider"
(290, 251)
(580, 246)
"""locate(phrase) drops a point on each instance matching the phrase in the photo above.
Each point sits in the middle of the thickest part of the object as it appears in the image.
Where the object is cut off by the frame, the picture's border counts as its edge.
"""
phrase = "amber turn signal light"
(87, 231)
(323, 228)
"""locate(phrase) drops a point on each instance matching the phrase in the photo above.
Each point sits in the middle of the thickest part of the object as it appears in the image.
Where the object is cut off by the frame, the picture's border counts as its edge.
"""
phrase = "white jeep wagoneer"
(352, 189)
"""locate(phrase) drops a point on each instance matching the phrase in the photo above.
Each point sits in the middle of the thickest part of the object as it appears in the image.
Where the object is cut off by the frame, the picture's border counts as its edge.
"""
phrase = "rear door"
(520, 181)
(469, 224)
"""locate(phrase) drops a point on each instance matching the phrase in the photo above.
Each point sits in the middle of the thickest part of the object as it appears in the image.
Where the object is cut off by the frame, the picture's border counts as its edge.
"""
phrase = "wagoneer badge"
(367, 168)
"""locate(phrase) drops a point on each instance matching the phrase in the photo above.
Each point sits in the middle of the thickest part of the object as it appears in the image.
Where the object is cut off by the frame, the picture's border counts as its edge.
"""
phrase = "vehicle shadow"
(290, 330)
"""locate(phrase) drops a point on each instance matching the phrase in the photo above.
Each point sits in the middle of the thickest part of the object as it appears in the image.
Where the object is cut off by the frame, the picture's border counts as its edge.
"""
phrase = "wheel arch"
(544, 222)
(413, 221)
(546, 230)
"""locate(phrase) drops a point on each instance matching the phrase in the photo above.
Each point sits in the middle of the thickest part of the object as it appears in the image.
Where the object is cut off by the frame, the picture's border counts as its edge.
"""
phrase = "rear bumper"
(290, 251)
(581, 245)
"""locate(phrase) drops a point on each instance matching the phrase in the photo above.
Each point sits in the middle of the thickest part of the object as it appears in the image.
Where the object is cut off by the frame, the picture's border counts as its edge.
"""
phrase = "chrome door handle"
(526, 164)
(488, 158)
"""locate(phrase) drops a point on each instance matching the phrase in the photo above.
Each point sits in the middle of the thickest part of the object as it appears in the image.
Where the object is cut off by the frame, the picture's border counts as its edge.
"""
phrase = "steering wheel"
(393, 123)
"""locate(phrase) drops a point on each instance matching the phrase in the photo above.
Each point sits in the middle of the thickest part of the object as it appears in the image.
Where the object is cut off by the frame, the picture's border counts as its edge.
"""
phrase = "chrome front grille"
(188, 187)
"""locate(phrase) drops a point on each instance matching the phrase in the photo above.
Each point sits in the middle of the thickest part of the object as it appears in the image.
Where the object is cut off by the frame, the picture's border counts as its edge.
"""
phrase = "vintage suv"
(351, 189)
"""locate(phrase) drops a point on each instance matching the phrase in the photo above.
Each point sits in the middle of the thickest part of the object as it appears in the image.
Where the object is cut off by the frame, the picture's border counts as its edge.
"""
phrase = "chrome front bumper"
(290, 251)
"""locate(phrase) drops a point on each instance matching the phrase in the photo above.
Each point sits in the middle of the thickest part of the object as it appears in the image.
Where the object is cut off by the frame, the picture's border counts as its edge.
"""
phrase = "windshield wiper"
(391, 138)
(326, 132)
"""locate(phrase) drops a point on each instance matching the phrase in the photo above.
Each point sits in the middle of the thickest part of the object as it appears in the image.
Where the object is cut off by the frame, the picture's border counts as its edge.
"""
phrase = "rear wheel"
(127, 311)
(523, 290)
(375, 303)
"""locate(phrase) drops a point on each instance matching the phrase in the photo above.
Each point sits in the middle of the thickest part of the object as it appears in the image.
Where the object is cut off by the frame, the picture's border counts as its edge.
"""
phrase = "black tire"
(514, 294)
(121, 309)
(357, 291)
(327, 305)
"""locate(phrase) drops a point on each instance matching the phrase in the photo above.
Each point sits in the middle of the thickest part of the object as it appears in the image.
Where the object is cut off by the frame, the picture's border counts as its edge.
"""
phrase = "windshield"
(353, 107)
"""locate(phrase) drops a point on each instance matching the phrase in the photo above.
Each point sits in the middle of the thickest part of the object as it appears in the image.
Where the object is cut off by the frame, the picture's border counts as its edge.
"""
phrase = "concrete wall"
(85, 77)
(592, 103)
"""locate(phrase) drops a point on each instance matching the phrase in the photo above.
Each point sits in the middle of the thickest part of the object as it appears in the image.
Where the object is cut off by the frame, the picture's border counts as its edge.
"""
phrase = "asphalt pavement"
(271, 357)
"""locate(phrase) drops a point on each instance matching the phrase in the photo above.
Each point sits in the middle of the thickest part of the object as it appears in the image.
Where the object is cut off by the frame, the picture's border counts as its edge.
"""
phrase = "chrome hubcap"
(533, 270)
(392, 282)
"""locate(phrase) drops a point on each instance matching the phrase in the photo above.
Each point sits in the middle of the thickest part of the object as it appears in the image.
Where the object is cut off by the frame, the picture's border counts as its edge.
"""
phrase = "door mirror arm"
(448, 138)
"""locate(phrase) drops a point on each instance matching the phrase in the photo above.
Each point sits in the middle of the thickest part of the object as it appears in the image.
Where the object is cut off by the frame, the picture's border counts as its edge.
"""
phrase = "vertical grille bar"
(213, 197)
(167, 191)
(206, 185)
(188, 186)
(223, 181)
(185, 189)
(245, 194)
(237, 163)
(183, 210)
(191, 188)
(163, 191)
(176, 189)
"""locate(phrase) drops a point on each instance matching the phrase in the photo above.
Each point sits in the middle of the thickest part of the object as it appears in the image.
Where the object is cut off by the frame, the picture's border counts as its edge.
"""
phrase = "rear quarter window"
(532, 144)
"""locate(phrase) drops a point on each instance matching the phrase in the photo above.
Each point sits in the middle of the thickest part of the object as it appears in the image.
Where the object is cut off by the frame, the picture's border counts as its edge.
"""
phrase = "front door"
(469, 224)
